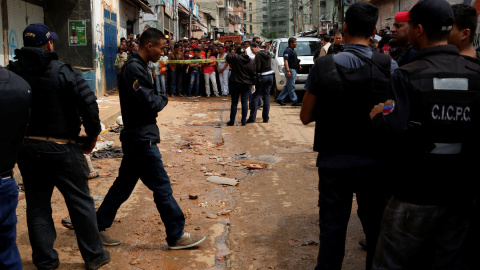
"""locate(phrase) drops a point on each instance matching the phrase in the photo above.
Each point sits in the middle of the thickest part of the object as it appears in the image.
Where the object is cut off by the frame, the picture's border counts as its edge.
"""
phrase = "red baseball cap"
(402, 16)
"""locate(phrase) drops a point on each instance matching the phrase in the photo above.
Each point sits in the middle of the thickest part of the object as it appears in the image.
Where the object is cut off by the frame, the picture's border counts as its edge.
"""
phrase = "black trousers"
(337, 187)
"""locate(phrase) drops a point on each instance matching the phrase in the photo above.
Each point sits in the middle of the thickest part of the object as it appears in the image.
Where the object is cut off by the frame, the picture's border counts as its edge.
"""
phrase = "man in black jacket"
(432, 116)
(263, 62)
(348, 154)
(140, 105)
(51, 157)
(239, 83)
(15, 98)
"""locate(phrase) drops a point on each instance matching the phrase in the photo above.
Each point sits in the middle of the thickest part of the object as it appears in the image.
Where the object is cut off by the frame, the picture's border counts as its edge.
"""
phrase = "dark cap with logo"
(37, 34)
(434, 15)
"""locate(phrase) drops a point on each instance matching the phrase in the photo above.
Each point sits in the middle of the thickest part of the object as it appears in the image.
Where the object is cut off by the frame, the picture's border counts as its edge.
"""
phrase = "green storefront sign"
(77, 34)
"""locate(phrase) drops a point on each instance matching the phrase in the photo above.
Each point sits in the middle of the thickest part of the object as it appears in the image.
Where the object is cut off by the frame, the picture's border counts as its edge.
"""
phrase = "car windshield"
(303, 47)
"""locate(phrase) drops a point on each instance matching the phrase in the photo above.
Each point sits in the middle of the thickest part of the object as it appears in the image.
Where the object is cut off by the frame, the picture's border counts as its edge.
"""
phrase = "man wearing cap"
(404, 51)
(51, 157)
(462, 36)
(348, 153)
(431, 115)
(15, 99)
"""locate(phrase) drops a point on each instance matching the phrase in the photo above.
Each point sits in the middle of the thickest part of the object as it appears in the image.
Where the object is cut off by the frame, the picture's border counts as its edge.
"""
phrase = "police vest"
(53, 111)
(293, 62)
(445, 113)
(343, 125)
(14, 112)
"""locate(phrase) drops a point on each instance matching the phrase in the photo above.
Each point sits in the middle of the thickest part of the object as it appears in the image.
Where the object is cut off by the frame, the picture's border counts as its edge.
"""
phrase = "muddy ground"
(268, 221)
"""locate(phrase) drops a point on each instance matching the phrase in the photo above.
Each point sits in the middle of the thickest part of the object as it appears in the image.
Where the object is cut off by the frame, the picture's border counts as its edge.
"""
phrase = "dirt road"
(268, 221)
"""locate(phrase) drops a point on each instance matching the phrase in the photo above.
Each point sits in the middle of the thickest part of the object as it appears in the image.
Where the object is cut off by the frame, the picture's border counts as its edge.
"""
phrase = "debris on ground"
(193, 196)
(222, 180)
(255, 166)
(108, 152)
(212, 216)
(117, 129)
(67, 222)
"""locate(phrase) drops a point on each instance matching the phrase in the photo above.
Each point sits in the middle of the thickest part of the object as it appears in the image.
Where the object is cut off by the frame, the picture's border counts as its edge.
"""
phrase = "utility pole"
(340, 15)
(190, 19)
(175, 20)
(226, 28)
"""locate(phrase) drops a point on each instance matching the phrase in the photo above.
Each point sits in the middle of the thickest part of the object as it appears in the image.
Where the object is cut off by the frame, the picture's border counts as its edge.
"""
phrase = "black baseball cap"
(434, 15)
(37, 34)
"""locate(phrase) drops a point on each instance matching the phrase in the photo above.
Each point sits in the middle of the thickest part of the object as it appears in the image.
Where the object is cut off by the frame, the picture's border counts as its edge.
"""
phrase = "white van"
(306, 48)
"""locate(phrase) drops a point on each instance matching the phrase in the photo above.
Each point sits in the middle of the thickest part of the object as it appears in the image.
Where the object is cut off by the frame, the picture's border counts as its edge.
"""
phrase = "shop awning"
(142, 6)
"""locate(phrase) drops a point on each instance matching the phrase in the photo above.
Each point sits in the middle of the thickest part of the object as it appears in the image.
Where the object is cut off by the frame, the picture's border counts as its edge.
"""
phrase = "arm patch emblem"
(136, 86)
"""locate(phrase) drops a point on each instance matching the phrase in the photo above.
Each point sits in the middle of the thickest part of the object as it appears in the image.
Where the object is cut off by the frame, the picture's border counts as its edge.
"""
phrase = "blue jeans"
(336, 187)
(9, 255)
(262, 90)
(176, 82)
(194, 80)
(289, 88)
(238, 90)
(422, 236)
(45, 165)
(160, 83)
(144, 161)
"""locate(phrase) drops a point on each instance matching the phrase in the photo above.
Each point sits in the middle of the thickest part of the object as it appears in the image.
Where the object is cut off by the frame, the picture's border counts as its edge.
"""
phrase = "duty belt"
(50, 139)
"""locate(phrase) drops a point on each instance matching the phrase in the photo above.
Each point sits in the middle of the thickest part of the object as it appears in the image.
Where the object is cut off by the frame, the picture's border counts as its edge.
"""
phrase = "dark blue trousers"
(143, 161)
(9, 255)
(262, 90)
(336, 188)
(239, 90)
(45, 165)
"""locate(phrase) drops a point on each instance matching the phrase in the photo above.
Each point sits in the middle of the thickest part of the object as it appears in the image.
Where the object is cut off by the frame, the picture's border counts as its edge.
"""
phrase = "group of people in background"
(215, 78)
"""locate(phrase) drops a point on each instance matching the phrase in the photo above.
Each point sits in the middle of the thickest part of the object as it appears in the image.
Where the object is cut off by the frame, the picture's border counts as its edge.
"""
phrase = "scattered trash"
(203, 204)
(119, 120)
(193, 196)
(103, 144)
(222, 180)
(176, 151)
(251, 162)
(133, 262)
(224, 212)
(310, 243)
(67, 222)
(117, 129)
(93, 173)
(98, 198)
(197, 229)
(200, 115)
(220, 259)
(109, 152)
(186, 147)
(255, 166)
(212, 216)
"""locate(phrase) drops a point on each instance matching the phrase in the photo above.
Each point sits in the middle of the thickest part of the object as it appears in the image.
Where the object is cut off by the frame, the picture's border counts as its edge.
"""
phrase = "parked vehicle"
(306, 48)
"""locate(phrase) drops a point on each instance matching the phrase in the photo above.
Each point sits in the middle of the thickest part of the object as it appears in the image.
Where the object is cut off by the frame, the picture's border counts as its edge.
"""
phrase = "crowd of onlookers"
(189, 79)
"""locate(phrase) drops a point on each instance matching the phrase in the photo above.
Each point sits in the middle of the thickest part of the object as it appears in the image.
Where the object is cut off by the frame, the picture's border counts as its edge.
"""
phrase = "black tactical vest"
(445, 114)
(53, 111)
(14, 113)
(343, 125)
